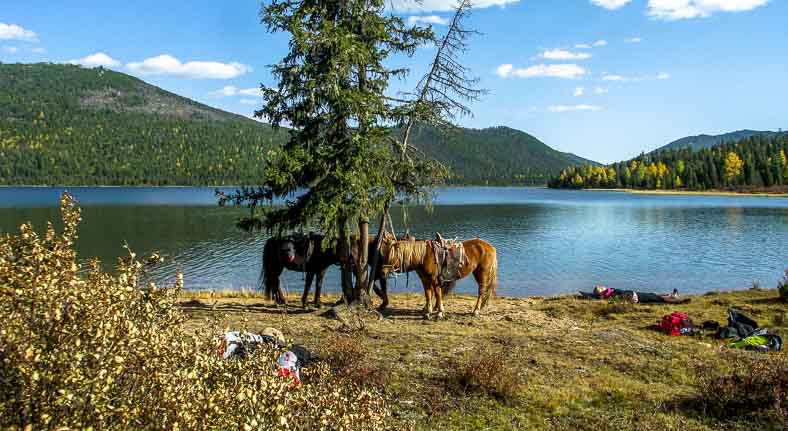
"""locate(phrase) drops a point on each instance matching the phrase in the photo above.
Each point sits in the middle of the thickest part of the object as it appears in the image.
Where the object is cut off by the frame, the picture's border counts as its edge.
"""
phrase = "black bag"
(739, 325)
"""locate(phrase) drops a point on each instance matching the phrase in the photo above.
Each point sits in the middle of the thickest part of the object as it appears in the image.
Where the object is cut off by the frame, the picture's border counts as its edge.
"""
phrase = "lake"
(548, 241)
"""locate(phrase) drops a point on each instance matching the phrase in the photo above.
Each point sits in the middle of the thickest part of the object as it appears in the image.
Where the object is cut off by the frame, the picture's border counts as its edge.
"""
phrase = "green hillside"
(67, 125)
(496, 155)
(699, 142)
(756, 163)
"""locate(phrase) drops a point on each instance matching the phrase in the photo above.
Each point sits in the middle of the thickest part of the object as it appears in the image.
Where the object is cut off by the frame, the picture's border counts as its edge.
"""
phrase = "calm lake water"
(548, 241)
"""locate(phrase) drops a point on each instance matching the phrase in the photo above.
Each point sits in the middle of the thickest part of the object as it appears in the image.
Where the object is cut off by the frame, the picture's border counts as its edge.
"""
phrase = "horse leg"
(384, 294)
(275, 287)
(438, 291)
(428, 290)
(319, 286)
(484, 286)
(307, 287)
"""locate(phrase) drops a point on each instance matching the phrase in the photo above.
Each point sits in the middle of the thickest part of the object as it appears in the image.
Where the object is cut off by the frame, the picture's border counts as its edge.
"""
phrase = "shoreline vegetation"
(757, 163)
(766, 194)
(564, 362)
(757, 193)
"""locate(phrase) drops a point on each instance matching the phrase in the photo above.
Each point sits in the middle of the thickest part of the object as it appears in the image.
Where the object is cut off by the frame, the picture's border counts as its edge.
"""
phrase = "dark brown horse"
(300, 254)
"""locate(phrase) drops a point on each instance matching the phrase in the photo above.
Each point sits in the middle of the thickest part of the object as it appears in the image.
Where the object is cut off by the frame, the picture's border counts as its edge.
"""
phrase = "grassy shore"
(582, 364)
(695, 193)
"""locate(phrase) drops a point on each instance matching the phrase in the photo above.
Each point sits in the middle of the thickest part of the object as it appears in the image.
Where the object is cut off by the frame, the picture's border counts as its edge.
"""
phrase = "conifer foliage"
(755, 162)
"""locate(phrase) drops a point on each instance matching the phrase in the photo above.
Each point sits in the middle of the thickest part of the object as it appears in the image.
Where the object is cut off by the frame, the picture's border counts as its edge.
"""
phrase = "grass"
(557, 363)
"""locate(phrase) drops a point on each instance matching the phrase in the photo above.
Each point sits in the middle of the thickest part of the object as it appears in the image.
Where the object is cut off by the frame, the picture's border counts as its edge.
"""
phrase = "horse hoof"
(425, 316)
(476, 313)
(440, 316)
(318, 305)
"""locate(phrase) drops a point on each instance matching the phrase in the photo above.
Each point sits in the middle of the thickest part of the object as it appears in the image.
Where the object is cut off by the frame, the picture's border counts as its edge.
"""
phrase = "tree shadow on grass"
(196, 305)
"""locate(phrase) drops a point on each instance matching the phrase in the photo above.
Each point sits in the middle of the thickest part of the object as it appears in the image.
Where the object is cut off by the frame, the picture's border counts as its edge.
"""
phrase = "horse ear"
(438, 237)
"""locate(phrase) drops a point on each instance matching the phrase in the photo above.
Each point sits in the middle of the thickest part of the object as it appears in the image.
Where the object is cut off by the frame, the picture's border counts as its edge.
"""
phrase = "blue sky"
(605, 79)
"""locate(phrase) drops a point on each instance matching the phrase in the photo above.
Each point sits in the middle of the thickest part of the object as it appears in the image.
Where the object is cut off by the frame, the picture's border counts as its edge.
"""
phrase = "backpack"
(676, 324)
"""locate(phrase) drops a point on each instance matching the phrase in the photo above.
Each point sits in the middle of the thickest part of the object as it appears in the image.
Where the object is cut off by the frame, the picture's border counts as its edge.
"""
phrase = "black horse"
(305, 254)
(297, 253)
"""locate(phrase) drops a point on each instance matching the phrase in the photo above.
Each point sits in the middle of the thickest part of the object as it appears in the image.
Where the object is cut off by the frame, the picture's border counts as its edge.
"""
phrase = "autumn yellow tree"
(733, 168)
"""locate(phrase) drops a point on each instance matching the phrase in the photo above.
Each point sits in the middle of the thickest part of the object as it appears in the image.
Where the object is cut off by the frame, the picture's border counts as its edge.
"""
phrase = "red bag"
(673, 323)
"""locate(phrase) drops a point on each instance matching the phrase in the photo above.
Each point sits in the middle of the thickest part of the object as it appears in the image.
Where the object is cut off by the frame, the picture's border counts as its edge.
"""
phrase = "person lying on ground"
(602, 292)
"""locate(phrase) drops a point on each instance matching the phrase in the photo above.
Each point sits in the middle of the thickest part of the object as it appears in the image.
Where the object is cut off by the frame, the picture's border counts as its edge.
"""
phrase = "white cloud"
(10, 49)
(169, 65)
(427, 19)
(600, 43)
(671, 10)
(610, 4)
(15, 32)
(250, 101)
(441, 5)
(573, 108)
(562, 54)
(617, 78)
(601, 90)
(231, 90)
(96, 60)
(565, 71)
(583, 46)
(579, 91)
(634, 40)
(620, 78)
(39, 50)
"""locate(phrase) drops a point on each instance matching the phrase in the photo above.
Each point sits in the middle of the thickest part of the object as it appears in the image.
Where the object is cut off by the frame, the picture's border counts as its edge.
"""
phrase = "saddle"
(450, 257)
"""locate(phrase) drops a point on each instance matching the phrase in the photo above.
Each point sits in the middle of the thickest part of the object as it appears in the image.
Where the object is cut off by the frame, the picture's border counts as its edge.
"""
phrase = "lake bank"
(582, 364)
(693, 193)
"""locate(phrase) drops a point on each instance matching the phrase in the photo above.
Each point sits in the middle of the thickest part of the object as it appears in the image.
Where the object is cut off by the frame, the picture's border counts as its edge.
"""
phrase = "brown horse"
(480, 260)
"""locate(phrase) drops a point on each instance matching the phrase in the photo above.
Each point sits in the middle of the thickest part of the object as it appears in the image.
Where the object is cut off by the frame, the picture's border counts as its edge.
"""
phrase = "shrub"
(782, 287)
(91, 349)
(757, 387)
(349, 359)
(487, 372)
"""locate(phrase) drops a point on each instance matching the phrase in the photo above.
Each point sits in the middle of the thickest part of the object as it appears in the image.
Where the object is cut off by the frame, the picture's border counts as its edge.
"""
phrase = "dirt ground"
(583, 364)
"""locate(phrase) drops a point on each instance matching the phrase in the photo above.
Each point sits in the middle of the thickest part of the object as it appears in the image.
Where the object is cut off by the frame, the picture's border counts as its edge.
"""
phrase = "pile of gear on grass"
(741, 331)
(236, 345)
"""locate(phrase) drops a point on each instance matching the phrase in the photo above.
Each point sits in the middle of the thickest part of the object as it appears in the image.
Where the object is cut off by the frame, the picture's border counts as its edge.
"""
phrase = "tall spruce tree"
(343, 162)
(331, 91)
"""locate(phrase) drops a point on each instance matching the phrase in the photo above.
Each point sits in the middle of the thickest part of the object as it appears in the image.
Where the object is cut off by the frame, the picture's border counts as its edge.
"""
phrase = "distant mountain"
(63, 124)
(700, 142)
(495, 155)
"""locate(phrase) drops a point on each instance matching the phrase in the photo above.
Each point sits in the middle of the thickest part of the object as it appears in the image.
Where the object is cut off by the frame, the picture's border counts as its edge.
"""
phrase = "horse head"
(287, 251)
(391, 254)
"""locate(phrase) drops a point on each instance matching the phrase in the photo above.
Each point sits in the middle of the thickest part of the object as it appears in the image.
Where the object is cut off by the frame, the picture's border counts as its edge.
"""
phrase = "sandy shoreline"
(693, 193)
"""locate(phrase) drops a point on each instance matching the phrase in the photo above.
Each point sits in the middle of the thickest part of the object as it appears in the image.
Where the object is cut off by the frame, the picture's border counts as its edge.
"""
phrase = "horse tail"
(269, 258)
(492, 278)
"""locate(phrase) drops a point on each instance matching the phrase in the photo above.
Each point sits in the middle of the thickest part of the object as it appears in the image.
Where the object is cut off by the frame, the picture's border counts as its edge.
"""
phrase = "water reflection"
(548, 242)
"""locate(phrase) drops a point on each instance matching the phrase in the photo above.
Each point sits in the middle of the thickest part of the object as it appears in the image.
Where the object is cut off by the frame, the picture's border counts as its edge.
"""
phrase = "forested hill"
(495, 155)
(67, 125)
(700, 142)
(759, 162)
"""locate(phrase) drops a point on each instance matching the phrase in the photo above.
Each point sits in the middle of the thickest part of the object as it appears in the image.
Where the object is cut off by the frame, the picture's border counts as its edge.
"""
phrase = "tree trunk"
(345, 260)
(375, 258)
(360, 290)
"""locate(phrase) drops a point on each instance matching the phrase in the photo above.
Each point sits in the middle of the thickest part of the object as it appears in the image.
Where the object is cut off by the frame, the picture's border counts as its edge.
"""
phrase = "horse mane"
(411, 253)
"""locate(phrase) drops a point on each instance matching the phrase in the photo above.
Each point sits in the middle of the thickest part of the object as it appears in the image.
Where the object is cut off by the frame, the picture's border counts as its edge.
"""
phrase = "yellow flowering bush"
(87, 349)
